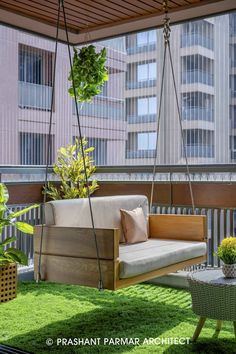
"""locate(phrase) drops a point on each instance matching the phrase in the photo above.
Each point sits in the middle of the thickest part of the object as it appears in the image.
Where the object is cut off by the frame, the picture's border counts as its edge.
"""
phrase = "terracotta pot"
(8, 282)
(229, 270)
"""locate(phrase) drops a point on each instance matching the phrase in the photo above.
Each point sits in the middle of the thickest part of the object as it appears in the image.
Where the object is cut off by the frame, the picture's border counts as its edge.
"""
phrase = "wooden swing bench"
(69, 252)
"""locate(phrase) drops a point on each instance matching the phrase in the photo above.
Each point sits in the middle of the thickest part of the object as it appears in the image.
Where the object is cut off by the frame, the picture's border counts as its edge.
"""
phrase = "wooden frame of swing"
(69, 253)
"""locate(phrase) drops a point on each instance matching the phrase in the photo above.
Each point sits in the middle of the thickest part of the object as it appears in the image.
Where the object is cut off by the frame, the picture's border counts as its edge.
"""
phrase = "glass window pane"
(151, 141)
(143, 141)
(152, 71)
(152, 36)
(142, 39)
(142, 106)
(152, 105)
(142, 72)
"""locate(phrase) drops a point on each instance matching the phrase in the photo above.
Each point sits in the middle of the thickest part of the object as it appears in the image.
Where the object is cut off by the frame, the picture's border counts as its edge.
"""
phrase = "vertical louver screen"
(121, 121)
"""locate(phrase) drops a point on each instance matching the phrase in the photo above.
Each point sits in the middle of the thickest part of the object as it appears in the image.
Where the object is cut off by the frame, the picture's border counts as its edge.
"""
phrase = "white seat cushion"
(106, 211)
(140, 258)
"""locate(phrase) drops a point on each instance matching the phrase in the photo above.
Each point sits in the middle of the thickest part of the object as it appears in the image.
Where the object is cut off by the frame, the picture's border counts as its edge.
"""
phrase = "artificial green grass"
(54, 311)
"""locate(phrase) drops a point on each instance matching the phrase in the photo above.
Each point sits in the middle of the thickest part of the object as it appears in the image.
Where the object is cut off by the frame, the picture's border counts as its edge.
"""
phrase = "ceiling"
(98, 19)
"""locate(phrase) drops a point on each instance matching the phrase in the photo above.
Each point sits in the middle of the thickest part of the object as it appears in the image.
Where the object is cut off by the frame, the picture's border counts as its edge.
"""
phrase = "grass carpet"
(143, 311)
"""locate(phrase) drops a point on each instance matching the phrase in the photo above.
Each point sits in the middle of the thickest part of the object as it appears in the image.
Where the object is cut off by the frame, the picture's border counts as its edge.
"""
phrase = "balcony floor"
(143, 311)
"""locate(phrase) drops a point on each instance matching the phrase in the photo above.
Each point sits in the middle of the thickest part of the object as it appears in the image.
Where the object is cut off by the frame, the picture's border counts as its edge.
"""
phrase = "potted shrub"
(227, 253)
(10, 256)
(70, 170)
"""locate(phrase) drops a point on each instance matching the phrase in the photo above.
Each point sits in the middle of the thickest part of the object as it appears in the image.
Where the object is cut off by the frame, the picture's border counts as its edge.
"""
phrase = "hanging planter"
(89, 73)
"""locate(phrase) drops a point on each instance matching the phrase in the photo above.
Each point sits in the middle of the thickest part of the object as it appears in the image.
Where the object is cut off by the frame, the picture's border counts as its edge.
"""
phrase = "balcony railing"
(104, 109)
(34, 95)
(233, 63)
(140, 154)
(233, 154)
(221, 220)
(140, 84)
(197, 76)
(146, 118)
(198, 113)
(200, 150)
(140, 49)
(190, 39)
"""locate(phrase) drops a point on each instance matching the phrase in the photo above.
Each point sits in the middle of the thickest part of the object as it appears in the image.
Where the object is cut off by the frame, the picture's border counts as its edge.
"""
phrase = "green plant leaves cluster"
(227, 250)
(7, 218)
(70, 170)
(89, 73)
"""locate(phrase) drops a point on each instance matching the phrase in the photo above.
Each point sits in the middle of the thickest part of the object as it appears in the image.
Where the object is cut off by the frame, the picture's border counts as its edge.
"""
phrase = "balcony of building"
(198, 113)
(192, 39)
(198, 33)
(197, 76)
(197, 69)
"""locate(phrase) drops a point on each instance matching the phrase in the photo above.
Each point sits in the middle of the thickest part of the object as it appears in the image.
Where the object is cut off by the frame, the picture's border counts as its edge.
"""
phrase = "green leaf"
(8, 240)
(24, 227)
(24, 211)
(5, 222)
(4, 260)
(4, 195)
(17, 255)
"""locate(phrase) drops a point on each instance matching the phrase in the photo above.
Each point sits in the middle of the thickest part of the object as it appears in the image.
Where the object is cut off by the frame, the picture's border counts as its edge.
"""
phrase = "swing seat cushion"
(106, 211)
(140, 258)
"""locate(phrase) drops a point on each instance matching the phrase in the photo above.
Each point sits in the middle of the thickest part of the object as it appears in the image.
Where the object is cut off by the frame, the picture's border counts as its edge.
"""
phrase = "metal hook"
(166, 29)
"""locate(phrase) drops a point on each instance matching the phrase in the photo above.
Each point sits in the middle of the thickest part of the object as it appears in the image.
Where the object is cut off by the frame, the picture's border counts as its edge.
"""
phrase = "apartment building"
(121, 122)
(26, 73)
(203, 53)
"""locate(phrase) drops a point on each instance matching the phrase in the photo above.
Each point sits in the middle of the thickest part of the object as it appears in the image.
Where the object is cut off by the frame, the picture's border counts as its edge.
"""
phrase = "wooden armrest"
(178, 227)
(77, 242)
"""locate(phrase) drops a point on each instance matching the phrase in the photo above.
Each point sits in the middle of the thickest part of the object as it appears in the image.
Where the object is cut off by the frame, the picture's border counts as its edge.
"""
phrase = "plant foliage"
(89, 73)
(7, 218)
(227, 250)
(70, 170)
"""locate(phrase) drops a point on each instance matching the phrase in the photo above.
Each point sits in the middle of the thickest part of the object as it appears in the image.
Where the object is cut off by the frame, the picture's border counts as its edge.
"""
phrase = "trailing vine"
(89, 73)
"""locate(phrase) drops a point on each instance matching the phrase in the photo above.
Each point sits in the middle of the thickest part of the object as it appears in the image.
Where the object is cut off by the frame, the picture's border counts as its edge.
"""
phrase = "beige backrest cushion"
(106, 211)
(134, 225)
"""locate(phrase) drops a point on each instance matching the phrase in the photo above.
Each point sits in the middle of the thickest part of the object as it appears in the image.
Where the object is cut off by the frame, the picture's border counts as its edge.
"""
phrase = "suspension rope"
(166, 35)
(100, 283)
(157, 129)
(49, 147)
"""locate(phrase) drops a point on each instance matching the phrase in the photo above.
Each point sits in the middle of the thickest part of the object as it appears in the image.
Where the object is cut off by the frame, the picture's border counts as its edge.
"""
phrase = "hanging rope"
(166, 35)
(61, 6)
(49, 140)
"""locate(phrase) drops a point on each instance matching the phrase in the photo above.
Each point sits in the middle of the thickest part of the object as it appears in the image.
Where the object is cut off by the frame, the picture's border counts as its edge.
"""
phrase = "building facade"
(121, 122)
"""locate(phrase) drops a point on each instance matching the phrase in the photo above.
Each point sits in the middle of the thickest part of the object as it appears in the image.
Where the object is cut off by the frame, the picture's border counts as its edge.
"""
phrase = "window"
(33, 149)
(147, 71)
(34, 78)
(233, 143)
(147, 105)
(100, 152)
(35, 65)
(145, 38)
(147, 141)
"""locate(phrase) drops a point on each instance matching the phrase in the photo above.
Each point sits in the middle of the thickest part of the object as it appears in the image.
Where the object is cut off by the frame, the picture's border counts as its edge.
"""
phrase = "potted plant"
(70, 170)
(227, 253)
(89, 73)
(10, 256)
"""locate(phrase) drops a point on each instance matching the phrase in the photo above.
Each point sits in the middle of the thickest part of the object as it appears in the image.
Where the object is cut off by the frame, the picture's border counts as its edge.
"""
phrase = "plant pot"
(8, 282)
(229, 270)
